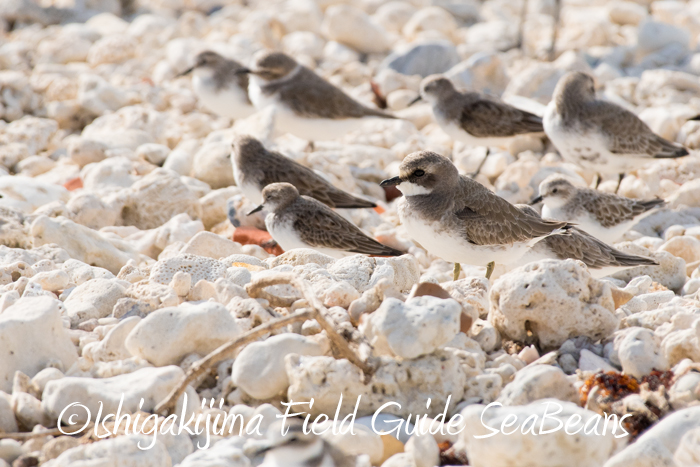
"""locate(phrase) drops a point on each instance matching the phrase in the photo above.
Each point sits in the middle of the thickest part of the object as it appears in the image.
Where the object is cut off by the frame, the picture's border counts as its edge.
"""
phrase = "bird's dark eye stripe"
(419, 173)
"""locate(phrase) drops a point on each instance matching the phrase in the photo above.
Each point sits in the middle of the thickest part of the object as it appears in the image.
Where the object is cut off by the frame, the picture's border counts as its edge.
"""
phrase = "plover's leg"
(598, 179)
(456, 271)
(310, 147)
(481, 164)
(489, 269)
(619, 181)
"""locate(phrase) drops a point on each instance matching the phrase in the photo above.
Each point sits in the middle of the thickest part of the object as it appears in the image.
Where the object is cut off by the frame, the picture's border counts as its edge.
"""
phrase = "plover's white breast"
(251, 191)
(284, 234)
(454, 248)
(230, 101)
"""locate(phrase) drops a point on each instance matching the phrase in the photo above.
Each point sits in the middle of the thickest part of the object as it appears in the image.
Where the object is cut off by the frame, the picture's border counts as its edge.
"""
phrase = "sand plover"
(298, 221)
(254, 167)
(220, 86)
(604, 215)
(599, 135)
(473, 118)
(460, 220)
(573, 243)
(296, 448)
(305, 104)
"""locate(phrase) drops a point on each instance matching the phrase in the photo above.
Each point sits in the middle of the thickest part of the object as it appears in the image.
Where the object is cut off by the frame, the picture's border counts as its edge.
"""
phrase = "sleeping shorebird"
(460, 220)
(294, 448)
(254, 167)
(604, 215)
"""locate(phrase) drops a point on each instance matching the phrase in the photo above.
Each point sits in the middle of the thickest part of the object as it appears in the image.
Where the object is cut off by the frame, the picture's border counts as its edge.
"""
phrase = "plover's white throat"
(599, 135)
(460, 220)
(220, 86)
(475, 119)
(573, 243)
(296, 448)
(305, 104)
(298, 221)
(604, 215)
(254, 167)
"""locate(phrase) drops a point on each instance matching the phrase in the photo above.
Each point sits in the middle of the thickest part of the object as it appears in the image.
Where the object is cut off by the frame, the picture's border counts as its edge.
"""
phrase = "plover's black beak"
(259, 208)
(244, 71)
(417, 99)
(695, 118)
(391, 181)
(535, 200)
(186, 72)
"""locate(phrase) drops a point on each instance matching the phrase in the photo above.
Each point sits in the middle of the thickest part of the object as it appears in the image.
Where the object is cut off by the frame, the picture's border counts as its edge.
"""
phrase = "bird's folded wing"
(484, 118)
(611, 210)
(314, 97)
(577, 244)
(321, 227)
(625, 133)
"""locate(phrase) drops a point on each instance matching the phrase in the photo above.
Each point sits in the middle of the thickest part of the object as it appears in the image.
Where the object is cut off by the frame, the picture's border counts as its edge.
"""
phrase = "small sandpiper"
(294, 448)
(476, 119)
(305, 104)
(473, 118)
(460, 220)
(598, 135)
(220, 86)
(296, 221)
(573, 243)
(604, 215)
(254, 167)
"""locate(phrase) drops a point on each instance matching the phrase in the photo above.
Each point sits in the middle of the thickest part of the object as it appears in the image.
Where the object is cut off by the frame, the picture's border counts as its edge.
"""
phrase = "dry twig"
(339, 346)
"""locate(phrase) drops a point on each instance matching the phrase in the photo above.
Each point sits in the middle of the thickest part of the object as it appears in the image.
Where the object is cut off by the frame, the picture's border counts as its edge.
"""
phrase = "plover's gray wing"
(485, 118)
(308, 182)
(611, 210)
(319, 226)
(309, 95)
(487, 219)
(628, 134)
(574, 243)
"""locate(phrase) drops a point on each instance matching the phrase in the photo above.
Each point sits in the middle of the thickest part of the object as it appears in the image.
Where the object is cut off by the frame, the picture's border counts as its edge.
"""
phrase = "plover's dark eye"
(419, 173)
(555, 190)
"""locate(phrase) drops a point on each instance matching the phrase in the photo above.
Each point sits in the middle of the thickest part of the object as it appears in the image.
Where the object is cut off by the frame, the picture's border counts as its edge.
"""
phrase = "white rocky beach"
(132, 280)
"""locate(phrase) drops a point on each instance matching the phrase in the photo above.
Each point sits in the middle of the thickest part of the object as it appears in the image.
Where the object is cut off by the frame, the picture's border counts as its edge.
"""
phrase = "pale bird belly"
(589, 224)
(288, 239)
(451, 247)
(315, 129)
(231, 102)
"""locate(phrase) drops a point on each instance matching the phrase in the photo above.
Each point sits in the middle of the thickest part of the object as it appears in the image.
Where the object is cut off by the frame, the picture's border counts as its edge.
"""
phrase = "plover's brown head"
(207, 59)
(436, 87)
(555, 190)
(575, 85)
(272, 65)
(422, 172)
(245, 146)
(277, 196)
